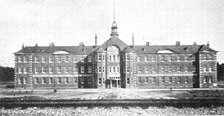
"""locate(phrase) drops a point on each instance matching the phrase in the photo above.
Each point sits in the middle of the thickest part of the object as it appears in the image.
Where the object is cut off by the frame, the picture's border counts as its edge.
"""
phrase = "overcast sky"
(69, 22)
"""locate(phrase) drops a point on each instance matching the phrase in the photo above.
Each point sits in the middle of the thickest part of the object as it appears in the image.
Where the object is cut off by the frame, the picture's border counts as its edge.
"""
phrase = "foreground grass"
(111, 111)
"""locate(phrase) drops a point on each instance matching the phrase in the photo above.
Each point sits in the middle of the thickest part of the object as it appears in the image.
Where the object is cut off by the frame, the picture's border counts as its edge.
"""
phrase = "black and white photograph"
(111, 57)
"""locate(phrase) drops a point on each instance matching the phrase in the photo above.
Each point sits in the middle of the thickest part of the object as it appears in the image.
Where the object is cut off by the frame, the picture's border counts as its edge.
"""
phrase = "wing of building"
(114, 64)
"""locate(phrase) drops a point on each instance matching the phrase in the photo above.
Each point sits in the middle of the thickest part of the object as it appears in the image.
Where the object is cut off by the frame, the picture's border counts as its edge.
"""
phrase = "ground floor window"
(100, 81)
(36, 80)
(66, 80)
(75, 79)
(59, 80)
(128, 80)
(50, 80)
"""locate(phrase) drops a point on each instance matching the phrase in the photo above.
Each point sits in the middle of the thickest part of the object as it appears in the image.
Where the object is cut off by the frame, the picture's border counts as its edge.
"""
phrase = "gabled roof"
(100, 50)
(114, 42)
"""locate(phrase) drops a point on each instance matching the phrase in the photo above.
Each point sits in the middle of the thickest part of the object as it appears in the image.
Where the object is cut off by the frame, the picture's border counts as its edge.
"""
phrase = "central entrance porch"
(113, 82)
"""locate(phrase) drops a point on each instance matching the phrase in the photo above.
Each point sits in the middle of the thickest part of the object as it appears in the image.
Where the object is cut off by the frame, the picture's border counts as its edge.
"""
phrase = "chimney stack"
(23, 46)
(95, 39)
(132, 39)
(177, 43)
(195, 43)
(208, 43)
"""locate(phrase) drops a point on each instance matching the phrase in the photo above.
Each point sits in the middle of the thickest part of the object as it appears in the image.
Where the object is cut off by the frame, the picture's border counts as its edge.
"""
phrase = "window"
(103, 57)
(67, 58)
(139, 69)
(66, 69)
(99, 69)
(173, 57)
(186, 79)
(167, 68)
(110, 69)
(127, 69)
(43, 80)
(114, 58)
(99, 57)
(110, 58)
(128, 80)
(163, 80)
(20, 80)
(75, 79)
(154, 80)
(139, 79)
(36, 59)
(50, 80)
(118, 58)
(74, 69)
(20, 70)
(173, 68)
(100, 81)
(83, 58)
(153, 58)
(50, 59)
(59, 80)
(59, 58)
(82, 69)
(153, 69)
(26, 59)
(36, 80)
(43, 59)
(74, 59)
(50, 69)
(146, 69)
(89, 58)
(36, 69)
(59, 70)
(24, 80)
(63, 58)
(170, 79)
(90, 69)
(210, 79)
(114, 70)
(66, 80)
(146, 79)
(128, 57)
(26, 70)
(178, 79)
(103, 69)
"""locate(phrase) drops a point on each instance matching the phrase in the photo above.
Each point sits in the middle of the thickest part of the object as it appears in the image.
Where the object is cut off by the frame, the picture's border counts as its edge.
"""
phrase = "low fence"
(40, 102)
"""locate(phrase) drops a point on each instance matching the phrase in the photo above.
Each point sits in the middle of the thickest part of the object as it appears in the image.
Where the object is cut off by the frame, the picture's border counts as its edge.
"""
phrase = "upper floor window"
(99, 57)
(36, 80)
(103, 57)
(153, 58)
(83, 59)
(66, 80)
(127, 69)
(74, 69)
(114, 70)
(43, 59)
(89, 69)
(89, 58)
(99, 69)
(59, 80)
(118, 69)
(50, 59)
(36, 58)
(82, 69)
(127, 57)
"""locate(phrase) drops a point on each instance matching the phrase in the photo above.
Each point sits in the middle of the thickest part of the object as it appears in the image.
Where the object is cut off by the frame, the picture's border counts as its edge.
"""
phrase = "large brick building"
(114, 64)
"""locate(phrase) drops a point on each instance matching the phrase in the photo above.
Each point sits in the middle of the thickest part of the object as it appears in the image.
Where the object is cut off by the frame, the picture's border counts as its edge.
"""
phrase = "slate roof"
(179, 49)
(81, 50)
(85, 50)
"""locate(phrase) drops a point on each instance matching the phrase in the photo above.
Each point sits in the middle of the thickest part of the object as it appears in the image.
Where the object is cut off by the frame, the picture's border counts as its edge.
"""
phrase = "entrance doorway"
(113, 83)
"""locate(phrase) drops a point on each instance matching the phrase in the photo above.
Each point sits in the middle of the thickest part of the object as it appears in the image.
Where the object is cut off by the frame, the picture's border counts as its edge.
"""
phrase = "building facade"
(114, 64)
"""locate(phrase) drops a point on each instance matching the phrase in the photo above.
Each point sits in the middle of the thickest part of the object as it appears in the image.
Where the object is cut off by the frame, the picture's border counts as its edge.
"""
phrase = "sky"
(69, 22)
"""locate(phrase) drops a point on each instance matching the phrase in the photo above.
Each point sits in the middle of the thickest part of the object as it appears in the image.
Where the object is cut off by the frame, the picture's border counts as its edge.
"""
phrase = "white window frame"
(89, 58)
(99, 69)
(89, 69)
(82, 69)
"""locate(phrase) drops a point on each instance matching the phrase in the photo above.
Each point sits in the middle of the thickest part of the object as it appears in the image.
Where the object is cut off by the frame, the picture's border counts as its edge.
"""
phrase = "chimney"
(208, 44)
(95, 39)
(36, 45)
(147, 43)
(81, 44)
(195, 43)
(23, 46)
(177, 43)
(51, 44)
(132, 39)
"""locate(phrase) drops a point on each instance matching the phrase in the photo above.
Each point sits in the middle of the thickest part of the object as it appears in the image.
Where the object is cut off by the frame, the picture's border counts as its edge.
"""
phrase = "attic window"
(186, 49)
(83, 50)
(143, 49)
